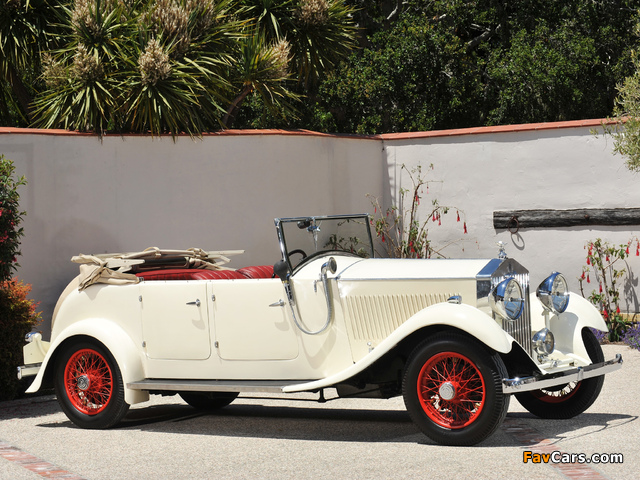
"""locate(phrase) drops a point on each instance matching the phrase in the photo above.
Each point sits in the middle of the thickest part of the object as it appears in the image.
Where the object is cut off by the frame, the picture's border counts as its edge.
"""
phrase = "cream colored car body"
(234, 333)
(455, 338)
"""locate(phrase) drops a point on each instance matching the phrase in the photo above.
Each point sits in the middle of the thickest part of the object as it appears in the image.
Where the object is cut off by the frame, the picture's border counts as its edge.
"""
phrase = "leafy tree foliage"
(457, 63)
(25, 31)
(10, 218)
(626, 132)
(190, 65)
(165, 66)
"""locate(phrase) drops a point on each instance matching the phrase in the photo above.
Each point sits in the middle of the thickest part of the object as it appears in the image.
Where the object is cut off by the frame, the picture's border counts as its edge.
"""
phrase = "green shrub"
(18, 316)
(17, 313)
(10, 218)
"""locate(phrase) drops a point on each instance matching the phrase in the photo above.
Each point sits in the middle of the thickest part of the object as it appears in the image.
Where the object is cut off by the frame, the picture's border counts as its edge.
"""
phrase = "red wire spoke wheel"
(571, 399)
(559, 395)
(88, 381)
(451, 390)
(89, 385)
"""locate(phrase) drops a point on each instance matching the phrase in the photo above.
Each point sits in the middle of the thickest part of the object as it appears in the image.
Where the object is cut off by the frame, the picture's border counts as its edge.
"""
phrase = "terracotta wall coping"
(386, 136)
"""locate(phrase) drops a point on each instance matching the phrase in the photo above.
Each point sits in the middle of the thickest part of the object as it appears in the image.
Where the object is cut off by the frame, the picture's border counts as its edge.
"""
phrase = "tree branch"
(230, 116)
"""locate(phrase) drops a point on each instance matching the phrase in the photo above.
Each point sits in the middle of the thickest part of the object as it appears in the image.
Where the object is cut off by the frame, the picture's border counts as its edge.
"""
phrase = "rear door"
(175, 320)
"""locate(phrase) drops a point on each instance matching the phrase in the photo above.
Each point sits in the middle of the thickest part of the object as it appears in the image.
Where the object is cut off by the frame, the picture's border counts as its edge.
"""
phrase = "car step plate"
(271, 386)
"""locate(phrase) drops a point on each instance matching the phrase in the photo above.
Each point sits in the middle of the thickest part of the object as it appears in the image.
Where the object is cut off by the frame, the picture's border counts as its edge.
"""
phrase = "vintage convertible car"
(455, 338)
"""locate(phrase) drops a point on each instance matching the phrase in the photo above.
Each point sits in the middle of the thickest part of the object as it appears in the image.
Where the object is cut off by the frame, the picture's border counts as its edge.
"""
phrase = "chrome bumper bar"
(537, 382)
(28, 370)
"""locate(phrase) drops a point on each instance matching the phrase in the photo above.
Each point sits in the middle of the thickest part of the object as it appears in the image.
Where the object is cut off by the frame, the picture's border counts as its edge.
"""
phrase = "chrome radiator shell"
(495, 272)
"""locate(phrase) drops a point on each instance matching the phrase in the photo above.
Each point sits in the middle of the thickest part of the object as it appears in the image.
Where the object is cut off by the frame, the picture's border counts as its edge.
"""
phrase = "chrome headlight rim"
(553, 293)
(544, 342)
(504, 303)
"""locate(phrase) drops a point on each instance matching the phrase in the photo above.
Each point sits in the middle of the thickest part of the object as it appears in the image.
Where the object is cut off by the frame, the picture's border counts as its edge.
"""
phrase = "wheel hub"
(83, 382)
(447, 391)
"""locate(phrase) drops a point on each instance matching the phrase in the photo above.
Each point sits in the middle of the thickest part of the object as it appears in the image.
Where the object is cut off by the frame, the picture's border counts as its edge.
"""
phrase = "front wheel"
(89, 386)
(571, 399)
(452, 389)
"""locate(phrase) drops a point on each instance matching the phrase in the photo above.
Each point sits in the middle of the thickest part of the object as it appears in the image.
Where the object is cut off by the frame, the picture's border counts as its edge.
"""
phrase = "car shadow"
(346, 424)
(29, 406)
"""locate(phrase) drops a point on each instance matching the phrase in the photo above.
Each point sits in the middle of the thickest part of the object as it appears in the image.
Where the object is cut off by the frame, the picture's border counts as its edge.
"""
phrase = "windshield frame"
(280, 223)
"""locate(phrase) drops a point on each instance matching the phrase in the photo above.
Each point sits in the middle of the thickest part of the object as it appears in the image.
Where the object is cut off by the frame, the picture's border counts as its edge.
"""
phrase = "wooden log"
(516, 219)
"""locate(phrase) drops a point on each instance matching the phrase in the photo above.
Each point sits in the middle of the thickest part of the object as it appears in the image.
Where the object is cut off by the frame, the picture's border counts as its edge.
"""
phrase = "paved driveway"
(276, 437)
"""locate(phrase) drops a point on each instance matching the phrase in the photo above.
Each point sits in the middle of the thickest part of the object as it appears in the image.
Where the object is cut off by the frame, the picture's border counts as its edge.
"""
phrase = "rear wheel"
(208, 400)
(452, 389)
(571, 399)
(89, 386)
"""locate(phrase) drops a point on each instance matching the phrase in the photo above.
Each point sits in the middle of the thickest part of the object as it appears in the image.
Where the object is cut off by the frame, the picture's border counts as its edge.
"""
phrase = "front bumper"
(537, 382)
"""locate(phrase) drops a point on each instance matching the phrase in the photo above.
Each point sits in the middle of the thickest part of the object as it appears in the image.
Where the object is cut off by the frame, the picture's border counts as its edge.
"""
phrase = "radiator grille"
(519, 329)
(374, 317)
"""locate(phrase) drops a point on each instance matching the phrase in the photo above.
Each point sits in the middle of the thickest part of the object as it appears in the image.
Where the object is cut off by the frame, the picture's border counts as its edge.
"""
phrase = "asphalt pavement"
(295, 437)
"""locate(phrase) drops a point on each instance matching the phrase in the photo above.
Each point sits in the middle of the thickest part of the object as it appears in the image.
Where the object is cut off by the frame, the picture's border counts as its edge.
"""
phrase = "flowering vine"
(603, 261)
(400, 229)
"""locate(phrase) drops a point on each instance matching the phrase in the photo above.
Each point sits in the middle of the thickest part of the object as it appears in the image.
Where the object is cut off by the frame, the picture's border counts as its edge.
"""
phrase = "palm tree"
(25, 31)
(171, 66)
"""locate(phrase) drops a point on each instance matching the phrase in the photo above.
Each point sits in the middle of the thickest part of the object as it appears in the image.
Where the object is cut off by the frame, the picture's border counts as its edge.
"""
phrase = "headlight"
(543, 342)
(506, 299)
(554, 293)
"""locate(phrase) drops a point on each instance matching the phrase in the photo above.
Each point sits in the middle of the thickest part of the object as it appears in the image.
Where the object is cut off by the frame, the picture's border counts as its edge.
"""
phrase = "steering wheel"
(300, 251)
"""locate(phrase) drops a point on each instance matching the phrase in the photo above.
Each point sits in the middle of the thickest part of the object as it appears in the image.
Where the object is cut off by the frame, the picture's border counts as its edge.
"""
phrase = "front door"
(246, 326)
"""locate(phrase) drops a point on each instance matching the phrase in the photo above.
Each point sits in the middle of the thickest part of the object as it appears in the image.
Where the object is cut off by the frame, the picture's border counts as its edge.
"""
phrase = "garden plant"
(18, 313)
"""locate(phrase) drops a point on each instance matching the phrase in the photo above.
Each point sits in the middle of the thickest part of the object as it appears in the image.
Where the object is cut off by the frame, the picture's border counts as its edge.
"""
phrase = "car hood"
(391, 268)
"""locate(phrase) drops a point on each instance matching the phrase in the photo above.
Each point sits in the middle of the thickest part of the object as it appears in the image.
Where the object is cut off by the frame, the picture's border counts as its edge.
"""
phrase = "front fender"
(115, 339)
(462, 317)
(567, 327)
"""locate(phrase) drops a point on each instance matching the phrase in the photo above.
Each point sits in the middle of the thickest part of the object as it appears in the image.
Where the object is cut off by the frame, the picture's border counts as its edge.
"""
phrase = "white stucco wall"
(561, 168)
(223, 192)
(218, 193)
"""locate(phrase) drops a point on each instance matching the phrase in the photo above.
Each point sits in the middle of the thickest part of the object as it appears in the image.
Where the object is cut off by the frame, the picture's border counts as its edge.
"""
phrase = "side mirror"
(330, 265)
(281, 269)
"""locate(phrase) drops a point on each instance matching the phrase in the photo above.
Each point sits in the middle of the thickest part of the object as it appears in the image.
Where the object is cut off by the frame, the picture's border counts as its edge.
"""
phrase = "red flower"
(627, 250)
(588, 261)
(600, 288)
(588, 279)
(606, 258)
(617, 309)
(605, 314)
(465, 227)
(458, 217)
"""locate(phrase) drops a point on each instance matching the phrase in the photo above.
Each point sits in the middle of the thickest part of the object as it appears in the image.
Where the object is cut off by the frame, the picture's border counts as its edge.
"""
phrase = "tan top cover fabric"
(111, 268)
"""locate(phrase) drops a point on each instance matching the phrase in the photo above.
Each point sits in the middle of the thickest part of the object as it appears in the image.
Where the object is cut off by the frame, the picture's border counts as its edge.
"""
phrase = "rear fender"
(116, 340)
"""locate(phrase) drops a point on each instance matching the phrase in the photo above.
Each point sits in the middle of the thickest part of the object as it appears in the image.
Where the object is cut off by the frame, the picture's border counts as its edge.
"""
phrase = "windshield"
(307, 237)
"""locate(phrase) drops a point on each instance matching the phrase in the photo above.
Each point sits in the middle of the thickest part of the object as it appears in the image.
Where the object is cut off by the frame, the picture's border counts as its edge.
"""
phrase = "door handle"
(196, 303)
(279, 303)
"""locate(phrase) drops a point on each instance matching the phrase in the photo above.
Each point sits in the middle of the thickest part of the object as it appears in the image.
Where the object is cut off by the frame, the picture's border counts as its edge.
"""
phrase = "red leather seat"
(190, 274)
(261, 271)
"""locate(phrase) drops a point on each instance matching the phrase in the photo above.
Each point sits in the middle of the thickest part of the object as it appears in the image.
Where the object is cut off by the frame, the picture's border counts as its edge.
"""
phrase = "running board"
(265, 386)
